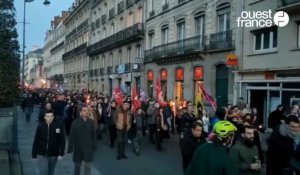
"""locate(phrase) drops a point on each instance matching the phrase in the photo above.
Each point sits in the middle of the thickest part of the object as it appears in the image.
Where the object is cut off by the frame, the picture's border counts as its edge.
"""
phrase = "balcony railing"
(136, 1)
(91, 73)
(165, 7)
(103, 19)
(129, 3)
(127, 67)
(151, 14)
(121, 7)
(109, 70)
(180, 1)
(127, 35)
(111, 13)
(75, 51)
(181, 47)
(102, 71)
(95, 72)
(283, 3)
(222, 40)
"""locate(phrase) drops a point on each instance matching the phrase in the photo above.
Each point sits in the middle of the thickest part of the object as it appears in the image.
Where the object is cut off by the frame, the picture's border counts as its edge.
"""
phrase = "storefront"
(179, 92)
(265, 94)
(150, 83)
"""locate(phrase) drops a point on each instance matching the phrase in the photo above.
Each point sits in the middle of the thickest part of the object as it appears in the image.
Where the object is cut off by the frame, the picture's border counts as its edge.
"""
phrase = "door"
(221, 85)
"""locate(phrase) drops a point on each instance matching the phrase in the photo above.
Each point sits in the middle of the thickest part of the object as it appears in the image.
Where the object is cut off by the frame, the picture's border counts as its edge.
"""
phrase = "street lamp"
(47, 2)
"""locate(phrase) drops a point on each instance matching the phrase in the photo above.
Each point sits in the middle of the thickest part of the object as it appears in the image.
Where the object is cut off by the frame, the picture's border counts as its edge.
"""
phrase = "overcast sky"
(39, 17)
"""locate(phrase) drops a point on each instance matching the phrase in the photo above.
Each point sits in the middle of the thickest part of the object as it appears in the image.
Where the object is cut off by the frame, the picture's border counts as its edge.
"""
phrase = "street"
(150, 162)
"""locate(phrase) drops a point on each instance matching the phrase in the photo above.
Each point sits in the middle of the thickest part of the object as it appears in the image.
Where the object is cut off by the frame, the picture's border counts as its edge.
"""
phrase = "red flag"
(208, 98)
(135, 99)
(159, 97)
(118, 95)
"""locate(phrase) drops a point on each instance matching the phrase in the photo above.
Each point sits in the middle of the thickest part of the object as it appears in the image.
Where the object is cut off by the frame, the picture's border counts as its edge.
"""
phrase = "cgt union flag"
(118, 95)
(135, 100)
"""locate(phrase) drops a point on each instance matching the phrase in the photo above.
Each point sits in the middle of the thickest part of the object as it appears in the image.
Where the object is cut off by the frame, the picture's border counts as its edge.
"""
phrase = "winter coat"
(119, 120)
(275, 118)
(243, 156)
(188, 120)
(59, 108)
(82, 140)
(211, 159)
(49, 140)
(280, 151)
(188, 145)
(151, 115)
(109, 114)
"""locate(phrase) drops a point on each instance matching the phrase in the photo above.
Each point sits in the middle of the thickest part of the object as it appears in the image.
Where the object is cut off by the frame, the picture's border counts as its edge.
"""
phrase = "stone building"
(75, 59)
(116, 45)
(269, 70)
(53, 51)
(187, 42)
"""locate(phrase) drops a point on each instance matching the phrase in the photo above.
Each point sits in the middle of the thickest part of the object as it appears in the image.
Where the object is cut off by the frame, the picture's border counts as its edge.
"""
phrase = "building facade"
(187, 42)
(33, 58)
(53, 51)
(269, 69)
(75, 59)
(116, 45)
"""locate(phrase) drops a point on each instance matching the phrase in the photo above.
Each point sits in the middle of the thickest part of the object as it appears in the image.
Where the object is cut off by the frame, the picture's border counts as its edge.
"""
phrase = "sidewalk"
(26, 133)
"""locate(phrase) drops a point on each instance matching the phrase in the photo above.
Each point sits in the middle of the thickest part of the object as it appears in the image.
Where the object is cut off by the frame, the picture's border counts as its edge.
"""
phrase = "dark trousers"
(112, 134)
(159, 139)
(152, 131)
(87, 168)
(121, 140)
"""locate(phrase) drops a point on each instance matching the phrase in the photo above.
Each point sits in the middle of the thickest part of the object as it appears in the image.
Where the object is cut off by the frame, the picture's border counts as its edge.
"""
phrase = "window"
(129, 55)
(104, 33)
(151, 40)
(111, 59)
(164, 35)
(138, 51)
(165, 1)
(199, 25)
(112, 28)
(223, 13)
(265, 39)
(298, 35)
(181, 30)
(103, 61)
(152, 5)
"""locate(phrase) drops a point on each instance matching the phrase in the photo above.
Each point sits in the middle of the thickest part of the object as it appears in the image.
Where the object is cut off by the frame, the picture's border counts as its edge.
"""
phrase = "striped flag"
(208, 98)
(135, 100)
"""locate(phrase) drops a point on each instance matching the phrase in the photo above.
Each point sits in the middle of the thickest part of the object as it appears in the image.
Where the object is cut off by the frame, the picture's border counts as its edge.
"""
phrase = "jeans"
(46, 165)
(28, 112)
(87, 168)
(137, 142)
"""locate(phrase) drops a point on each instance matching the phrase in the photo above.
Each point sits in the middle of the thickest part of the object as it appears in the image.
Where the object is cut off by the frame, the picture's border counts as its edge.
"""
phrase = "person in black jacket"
(282, 145)
(48, 145)
(275, 117)
(190, 141)
(109, 120)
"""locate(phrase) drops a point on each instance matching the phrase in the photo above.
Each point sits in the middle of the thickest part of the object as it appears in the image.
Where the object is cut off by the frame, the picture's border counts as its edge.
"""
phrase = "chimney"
(64, 15)
(56, 21)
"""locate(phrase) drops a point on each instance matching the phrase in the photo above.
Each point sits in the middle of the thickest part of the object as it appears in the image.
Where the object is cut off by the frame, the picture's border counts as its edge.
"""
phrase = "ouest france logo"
(262, 19)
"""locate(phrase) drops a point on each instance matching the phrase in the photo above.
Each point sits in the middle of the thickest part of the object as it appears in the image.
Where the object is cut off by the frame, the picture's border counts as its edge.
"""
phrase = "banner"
(135, 99)
(118, 96)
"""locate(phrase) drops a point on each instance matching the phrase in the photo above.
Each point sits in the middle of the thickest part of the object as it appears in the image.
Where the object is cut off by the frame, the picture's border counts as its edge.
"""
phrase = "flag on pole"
(159, 97)
(118, 95)
(199, 99)
(135, 100)
(208, 98)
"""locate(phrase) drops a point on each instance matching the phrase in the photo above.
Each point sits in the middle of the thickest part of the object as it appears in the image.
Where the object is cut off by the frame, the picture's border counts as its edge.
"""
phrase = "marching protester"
(190, 141)
(82, 141)
(122, 121)
(109, 120)
(160, 128)
(49, 144)
(138, 129)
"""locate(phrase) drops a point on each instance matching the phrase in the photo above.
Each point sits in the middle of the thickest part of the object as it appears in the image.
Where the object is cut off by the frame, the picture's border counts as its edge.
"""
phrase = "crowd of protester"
(225, 142)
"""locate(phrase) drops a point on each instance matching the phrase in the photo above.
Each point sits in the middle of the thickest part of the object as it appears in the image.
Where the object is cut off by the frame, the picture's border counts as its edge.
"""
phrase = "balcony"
(151, 14)
(165, 7)
(102, 71)
(176, 49)
(129, 3)
(137, 1)
(111, 13)
(121, 7)
(76, 51)
(91, 73)
(130, 34)
(288, 5)
(109, 70)
(103, 19)
(95, 72)
(221, 41)
(127, 67)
